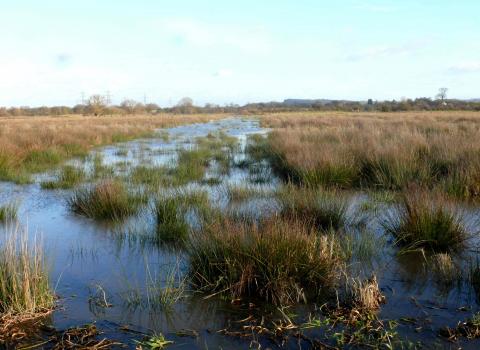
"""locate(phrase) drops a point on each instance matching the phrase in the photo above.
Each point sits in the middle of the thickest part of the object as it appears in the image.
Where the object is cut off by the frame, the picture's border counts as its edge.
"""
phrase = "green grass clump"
(69, 177)
(170, 212)
(8, 212)
(276, 260)
(24, 282)
(323, 209)
(107, 200)
(152, 176)
(170, 220)
(243, 192)
(9, 171)
(191, 166)
(427, 223)
(37, 161)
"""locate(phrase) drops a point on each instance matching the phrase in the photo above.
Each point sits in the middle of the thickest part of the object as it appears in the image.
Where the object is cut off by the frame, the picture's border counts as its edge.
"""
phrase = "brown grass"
(29, 144)
(379, 150)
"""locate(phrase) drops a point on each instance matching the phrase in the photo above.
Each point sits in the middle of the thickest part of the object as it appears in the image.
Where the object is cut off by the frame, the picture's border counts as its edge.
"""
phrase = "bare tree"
(97, 104)
(129, 105)
(185, 102)
(442, 94)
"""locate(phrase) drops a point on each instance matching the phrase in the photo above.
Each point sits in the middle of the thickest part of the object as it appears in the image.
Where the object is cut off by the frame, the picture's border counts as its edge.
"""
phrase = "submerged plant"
(167, 292)
(444, 268)
(429, 223)
(109, 199)
(276, 260)
(154, 342)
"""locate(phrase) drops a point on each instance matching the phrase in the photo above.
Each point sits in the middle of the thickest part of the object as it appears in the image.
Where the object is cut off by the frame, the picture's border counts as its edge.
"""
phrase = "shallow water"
(91, 261)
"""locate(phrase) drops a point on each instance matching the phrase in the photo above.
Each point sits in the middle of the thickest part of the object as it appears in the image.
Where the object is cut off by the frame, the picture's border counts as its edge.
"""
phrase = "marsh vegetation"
(327, 230)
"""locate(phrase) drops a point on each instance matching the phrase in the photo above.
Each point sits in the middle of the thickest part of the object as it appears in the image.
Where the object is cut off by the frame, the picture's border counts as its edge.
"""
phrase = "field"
(322, 230)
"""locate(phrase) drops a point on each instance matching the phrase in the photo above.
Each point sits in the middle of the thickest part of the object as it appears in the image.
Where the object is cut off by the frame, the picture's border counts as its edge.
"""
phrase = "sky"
(221, 52)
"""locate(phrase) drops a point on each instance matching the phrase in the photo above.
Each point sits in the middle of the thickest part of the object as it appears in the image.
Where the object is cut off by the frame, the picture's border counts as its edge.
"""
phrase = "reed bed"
(33, 144)
(438, 150)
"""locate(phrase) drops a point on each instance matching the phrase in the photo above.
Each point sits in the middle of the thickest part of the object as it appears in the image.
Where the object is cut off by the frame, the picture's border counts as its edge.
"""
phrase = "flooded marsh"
(218, 234)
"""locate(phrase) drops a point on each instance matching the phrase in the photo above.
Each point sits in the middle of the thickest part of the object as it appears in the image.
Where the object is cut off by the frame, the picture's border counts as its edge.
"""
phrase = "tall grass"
(428, 223)
(69, 177)
(326, 210)
(151, 176)
(437, 150)
(171, 214)
(278, 261)
(24, 283)
(108, 199)
(170, 218)
(8, 212)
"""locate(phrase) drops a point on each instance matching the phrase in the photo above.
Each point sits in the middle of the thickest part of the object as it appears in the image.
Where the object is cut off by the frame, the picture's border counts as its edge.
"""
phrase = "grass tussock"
(422, 222)
(8, 212)
(24, 283)
(170, 219)
(279, 261)
(326, 210)
(170, 212)
(438, 150)
(107, 200)
(69, 177)
(151, 176)
(364, 295)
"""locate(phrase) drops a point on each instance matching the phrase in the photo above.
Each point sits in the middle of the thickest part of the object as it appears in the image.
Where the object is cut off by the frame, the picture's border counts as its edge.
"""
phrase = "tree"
(129, 105)
(185, 105)
(96, 104)
(185, 102)
(442, 94)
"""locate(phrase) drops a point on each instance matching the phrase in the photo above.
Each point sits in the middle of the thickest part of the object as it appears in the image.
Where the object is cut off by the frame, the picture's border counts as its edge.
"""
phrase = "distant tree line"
(98, 105)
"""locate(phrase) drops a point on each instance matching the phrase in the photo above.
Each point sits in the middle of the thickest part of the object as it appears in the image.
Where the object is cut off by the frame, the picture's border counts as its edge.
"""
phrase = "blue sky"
(236, 51)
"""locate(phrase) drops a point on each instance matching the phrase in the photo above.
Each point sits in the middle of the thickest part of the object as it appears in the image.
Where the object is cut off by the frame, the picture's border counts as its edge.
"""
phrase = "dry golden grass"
(29, 144)
(379, 150)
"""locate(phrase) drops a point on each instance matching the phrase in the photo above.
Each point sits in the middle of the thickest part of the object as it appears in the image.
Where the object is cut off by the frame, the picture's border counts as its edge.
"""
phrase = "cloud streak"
(206, 35)
(465, 67)
(385, 51)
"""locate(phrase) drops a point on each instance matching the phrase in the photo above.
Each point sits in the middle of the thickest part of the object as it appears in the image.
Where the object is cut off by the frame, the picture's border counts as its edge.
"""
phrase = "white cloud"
(202, 34)
(223, 73)
(465, 67)
(375, 7)
(384, 51)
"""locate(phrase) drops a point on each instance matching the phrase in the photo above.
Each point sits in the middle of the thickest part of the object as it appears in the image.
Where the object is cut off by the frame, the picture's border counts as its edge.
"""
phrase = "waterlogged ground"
(102, 273)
